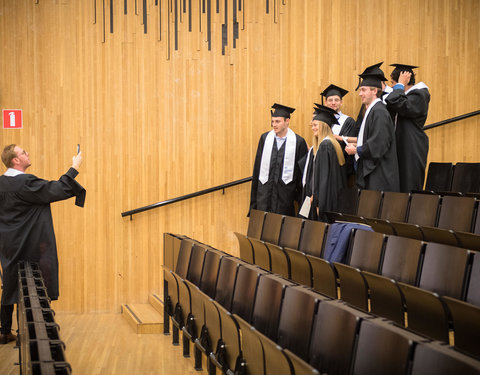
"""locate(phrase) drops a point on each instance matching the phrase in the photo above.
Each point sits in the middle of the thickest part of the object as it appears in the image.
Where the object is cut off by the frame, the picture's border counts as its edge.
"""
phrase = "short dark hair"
(396, 74)
(8, 155)
(379, 92)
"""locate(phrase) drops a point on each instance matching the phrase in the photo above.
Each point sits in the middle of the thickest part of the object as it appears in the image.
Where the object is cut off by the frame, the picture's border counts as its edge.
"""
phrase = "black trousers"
(6, 318)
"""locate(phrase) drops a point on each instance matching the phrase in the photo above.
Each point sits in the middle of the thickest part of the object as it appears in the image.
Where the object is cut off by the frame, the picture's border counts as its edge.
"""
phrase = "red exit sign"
(12, 119)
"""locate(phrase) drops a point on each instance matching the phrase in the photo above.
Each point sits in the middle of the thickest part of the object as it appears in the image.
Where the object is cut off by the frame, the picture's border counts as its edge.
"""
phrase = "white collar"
(11, 172)
(418, 86)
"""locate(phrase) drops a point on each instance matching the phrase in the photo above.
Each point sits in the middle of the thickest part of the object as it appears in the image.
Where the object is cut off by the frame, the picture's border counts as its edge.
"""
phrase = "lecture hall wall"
(155, 122)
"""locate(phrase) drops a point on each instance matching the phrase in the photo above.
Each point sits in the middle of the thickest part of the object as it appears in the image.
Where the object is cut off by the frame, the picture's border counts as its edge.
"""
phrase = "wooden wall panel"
(155, 123)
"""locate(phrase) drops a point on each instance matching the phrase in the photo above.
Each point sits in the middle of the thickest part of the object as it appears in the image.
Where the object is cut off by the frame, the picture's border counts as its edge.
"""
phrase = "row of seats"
(461, 177)
(249, 321)
(41, 350)
(453, 220)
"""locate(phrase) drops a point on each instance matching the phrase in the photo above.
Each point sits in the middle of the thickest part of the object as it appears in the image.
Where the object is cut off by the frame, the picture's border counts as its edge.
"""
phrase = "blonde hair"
(8, 155)
(324, 130)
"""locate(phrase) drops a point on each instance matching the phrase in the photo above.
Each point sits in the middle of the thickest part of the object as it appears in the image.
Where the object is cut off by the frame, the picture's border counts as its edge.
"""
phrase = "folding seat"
(439, 235)
(211, 266)
(338, 241)
(333, 337)
(298, 365)
(245, 290)
(245, 248)
(324, 276)
(195, 268)
(261, 254)
(312, 238)
(353, 287)
(466, 325)
(268, 303)
(408, 230)
(381, 226)
(177, 243)
(394, 206)
(468, 240)
(466, 178)
(423, 209)
(348, 201)
(280, 262)
(473, 286)
(251, 348)
(433, 358)
(476, 228)
(457, 213)
(369, 203)
(255, 224)
(291, 232)
(300, 268)
(402, 258)
(386, 299)
(444, 269)
(211, 333)
(227, 275)
(439, 176)
(276, 362)
(367, 250)
(296, 319)
(426, 312)
(168, 251)
(383, 348)
(183, 260)
(272, 227)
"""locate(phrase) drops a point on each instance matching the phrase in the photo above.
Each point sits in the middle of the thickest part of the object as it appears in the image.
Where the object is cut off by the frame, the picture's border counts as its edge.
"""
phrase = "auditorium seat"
(383, 348)
(280, 260)
(298, 365)
(353, 287)
(296, 319)
(473, 286)
(426, 312)
(183, 260)
(195, 268)
(408, 230)
(433, 358)
(444, 269)
(261, 254)
(348, 201)
(402, 258)
(245, 248)
(168, 261)
(369, 203)
(476, 228)
(245, 290)
(439, 176)
(466, 178)
(272, 227)
(439, 235)
(276, 362)
(312, 238)
(300, 268)
(255, 224)
(268, 303)
(211, 266)
(251, 347)
(456, 213)
(367, 250)
(394, 206)
(177, 243)
(227, 274)
(466, 325)
(386, 299)
(333, 337)
(381, 226)
(324, 276)
(468, 240)
(423, 209)
(291, 232)
(211, 334)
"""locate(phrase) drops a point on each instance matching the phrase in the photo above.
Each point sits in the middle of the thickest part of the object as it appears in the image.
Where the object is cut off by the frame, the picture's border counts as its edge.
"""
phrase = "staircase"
(145, 317)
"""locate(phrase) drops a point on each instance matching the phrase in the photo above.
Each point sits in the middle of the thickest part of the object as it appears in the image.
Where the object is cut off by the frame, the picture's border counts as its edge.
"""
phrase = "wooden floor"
(106, 344)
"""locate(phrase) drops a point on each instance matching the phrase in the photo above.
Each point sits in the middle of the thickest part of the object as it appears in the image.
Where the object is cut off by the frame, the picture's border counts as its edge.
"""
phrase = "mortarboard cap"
(372, 73)
(281, 110)
(404, 67)
(333, 90)
(371, 80)
(325, 114)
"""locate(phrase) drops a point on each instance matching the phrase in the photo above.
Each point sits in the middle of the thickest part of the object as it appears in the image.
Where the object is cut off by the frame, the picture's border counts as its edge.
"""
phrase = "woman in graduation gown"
(325, 174)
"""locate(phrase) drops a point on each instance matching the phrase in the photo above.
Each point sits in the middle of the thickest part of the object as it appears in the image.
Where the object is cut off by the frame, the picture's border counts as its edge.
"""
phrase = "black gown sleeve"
(412, 105)
(349, 128)
(39, 191)
(379, 138)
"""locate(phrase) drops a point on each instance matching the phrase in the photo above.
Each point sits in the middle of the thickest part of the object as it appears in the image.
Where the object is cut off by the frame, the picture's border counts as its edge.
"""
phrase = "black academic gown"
(377, 167)
(410, 111)
(349, 129)
(276, 196)
(307, 189)
(329, 177)
(26, 227)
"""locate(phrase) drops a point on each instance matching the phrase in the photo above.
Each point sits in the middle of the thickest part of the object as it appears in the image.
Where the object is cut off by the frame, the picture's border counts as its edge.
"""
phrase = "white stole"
(418, 86)
(362, 127)
(304, 178)
(288, 159)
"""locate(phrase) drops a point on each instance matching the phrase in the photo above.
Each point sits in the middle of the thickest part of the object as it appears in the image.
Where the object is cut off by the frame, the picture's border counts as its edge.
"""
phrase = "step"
(143, 317)
(156, 302)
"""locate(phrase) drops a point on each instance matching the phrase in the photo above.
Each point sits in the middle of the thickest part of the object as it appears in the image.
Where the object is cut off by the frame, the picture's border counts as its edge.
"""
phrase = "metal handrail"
(247, 179)
(187, 196)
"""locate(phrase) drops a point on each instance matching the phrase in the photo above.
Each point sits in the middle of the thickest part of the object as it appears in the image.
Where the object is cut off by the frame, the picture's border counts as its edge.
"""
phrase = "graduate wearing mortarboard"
(276, 181)
(375, 151)
(408, 104)
(324, 173)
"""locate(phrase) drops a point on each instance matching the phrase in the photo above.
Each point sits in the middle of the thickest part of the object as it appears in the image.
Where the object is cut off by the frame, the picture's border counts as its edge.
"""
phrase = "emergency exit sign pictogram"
(12, 119)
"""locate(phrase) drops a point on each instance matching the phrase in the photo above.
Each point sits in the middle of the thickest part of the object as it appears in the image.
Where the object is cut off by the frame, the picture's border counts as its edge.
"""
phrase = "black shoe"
(6, 338)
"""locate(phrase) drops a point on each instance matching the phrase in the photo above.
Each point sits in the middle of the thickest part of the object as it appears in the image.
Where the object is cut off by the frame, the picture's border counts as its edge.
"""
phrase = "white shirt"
(11, 172)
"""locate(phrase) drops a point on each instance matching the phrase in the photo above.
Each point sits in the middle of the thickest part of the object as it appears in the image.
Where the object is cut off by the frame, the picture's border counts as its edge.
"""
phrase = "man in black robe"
(276, 181)
(26, 226)
(375, 151)
(408, 104)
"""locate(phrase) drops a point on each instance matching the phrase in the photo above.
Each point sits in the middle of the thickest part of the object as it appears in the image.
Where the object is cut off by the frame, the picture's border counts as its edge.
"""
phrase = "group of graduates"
(384, 149)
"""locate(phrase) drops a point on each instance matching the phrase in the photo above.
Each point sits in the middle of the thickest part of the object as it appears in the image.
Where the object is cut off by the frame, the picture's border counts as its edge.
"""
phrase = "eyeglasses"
(24, 152)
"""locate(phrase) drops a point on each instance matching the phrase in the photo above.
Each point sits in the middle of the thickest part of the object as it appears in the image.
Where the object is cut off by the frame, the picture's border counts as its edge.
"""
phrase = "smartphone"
(78, 148)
